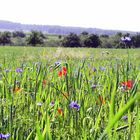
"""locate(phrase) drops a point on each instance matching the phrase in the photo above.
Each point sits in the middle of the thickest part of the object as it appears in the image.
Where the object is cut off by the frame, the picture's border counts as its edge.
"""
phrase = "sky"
(105, 14)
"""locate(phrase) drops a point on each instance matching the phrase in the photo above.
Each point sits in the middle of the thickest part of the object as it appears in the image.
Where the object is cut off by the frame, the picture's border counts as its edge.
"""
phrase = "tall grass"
(35, 102)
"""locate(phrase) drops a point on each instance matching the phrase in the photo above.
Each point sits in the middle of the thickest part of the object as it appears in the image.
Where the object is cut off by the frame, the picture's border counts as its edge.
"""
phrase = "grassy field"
(69, 93)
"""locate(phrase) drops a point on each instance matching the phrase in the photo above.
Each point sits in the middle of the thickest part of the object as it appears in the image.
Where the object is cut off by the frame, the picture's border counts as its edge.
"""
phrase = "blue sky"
(105, 14)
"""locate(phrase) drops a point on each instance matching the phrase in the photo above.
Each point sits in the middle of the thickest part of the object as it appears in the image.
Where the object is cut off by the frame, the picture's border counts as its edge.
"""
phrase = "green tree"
(104, 36)
(136, 40)
(0, 37)
(71, 40)
(83, 36)
(36, 38)
(119, 34)
(84, 33)
(114, 41)
(5, 38)
(92, 40)
(19, 34)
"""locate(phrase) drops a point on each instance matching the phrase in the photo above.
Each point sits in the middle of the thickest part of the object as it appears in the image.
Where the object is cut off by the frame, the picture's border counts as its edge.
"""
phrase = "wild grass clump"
(90, 97)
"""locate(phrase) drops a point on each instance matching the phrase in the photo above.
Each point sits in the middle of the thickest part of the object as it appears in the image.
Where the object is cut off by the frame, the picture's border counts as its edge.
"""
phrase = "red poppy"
(59, 110)
(17, 89)
(59, 73)
(44, 82)
(62, 72)
(100, 100)
(127, 84)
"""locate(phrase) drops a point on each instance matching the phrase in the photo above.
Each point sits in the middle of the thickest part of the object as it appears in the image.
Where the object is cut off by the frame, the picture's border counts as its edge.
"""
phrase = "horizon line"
(67, 26)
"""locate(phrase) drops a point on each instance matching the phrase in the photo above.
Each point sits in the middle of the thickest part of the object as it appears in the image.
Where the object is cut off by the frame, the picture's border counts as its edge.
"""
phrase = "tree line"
(84, 39)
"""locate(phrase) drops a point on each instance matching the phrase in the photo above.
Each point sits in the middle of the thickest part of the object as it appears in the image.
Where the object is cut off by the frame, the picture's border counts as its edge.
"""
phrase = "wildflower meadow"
(69, 94)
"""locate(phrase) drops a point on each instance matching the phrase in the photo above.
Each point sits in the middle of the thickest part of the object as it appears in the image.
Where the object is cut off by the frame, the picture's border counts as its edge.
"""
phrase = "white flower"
(39, 104)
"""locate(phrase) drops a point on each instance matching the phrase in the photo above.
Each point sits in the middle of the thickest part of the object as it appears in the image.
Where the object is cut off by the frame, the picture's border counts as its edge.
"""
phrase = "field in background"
(57, 53)
(64, 93)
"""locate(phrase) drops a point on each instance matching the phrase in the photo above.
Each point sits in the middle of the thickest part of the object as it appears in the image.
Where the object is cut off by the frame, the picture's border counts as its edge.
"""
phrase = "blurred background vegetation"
(84, 39)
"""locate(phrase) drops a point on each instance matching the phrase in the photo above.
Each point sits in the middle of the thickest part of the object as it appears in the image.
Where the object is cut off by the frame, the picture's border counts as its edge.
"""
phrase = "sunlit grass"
(36, 102)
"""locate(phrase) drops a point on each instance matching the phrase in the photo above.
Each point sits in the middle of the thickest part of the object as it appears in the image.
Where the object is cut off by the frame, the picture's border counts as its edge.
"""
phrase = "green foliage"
(5, 37)
(106, 42)
(83, 36)
(84, 39)
(71, 40)
(52, 43)
(19, 41)
(136, 40)
(35, 38)
(84, 33)
(108, 109)
(92, 41)
(19, 34)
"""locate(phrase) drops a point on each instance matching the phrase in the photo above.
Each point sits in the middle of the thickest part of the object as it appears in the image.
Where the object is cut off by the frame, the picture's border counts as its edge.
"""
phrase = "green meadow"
(69, 93)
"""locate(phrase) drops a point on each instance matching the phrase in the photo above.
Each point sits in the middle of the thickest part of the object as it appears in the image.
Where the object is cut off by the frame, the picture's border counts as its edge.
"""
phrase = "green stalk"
(119, 115)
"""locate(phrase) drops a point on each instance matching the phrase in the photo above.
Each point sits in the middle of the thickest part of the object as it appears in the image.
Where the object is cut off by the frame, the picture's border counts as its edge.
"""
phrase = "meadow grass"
(69, 93)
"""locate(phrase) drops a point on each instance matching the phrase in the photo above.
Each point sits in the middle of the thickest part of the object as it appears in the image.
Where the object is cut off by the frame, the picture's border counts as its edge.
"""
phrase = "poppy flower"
(100, 100)
(62, 72)
(17, 89)
(127, 84)
(60, 112)
(44, 82)
(59, 73)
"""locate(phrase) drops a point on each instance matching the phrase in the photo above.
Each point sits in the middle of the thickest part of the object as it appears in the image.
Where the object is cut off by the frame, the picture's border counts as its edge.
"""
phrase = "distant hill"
(52, 29)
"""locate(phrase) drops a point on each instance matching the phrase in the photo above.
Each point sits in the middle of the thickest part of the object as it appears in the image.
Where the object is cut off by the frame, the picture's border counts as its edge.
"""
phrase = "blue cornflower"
(102, 68)
(94, 69)
(52, 103)
(74, 105)
(18, 70)
(6, 70)
(125, 38)
(37, 63)
(57, 63)
(124, 117)
(2, 136)
(93, 86)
